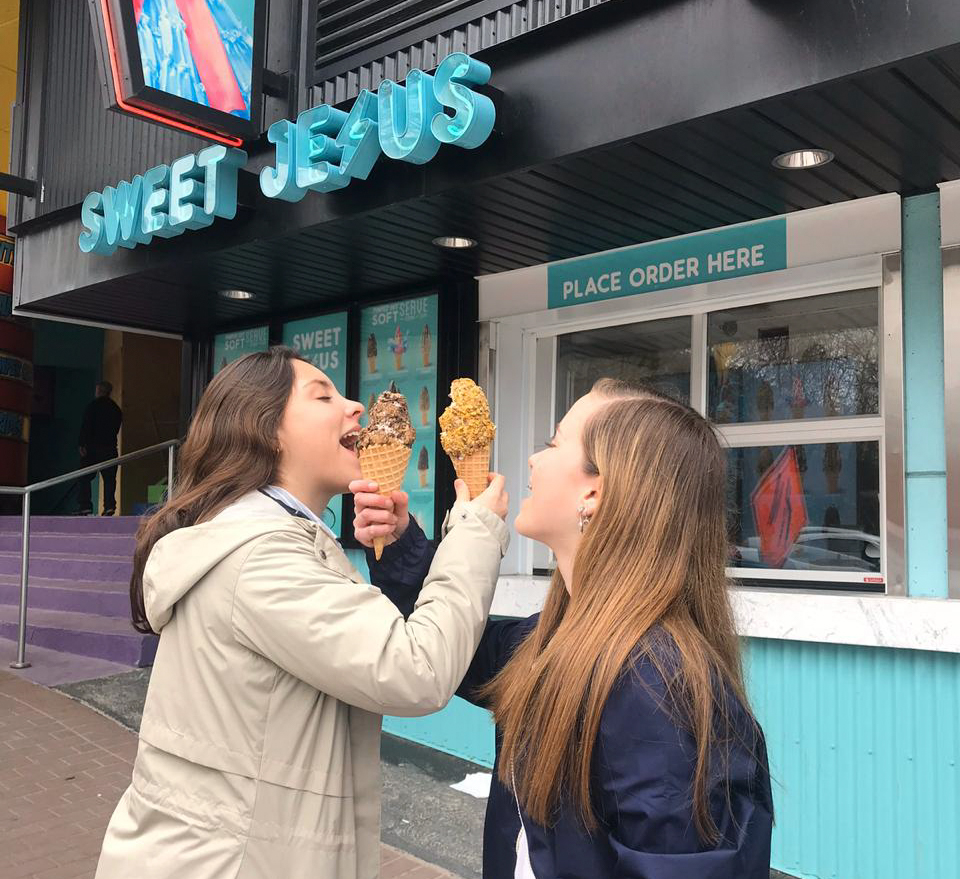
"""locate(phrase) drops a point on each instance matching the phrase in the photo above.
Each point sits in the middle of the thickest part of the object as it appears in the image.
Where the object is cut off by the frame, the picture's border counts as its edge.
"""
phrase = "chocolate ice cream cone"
(386, 465)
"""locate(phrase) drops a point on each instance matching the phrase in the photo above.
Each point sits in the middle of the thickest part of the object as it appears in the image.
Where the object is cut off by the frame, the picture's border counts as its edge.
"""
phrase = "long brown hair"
(230, 450)
(651, 562)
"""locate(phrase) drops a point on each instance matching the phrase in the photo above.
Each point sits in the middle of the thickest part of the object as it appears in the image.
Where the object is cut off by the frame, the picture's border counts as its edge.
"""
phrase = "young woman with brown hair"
(259, 745)
(625, 743)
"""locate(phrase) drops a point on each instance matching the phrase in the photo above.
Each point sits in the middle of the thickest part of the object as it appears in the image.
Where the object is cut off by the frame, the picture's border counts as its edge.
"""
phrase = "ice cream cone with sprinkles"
(466, 434)
(384, 447)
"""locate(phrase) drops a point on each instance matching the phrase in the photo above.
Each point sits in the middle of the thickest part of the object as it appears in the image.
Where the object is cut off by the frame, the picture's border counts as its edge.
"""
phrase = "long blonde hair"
(653, 555)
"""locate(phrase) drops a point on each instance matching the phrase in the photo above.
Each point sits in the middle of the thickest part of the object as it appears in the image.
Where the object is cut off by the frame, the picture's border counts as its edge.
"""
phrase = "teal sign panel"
(323, 341)
(398, 342)
(732, 252)
(228, 347)
(167, 200)
(326, 148)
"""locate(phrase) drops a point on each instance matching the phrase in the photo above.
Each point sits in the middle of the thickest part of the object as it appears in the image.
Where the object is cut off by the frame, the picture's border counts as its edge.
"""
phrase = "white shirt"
(284, 496)
(523, 870)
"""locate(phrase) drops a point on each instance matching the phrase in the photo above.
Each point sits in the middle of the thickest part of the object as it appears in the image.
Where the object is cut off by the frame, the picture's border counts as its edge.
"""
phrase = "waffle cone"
(386, 465)
(474, 469)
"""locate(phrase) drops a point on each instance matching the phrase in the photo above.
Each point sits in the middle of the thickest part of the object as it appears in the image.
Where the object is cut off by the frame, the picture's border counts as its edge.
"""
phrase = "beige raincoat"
(259, 747)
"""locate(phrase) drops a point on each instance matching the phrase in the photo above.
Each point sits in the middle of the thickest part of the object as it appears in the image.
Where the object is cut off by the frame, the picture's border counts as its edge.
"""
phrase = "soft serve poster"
(323, 342)
(398, 343)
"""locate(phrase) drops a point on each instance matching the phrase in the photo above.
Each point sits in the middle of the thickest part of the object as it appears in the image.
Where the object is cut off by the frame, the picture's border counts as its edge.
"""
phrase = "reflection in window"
(813, 507)
(802, 358)
(655, 354)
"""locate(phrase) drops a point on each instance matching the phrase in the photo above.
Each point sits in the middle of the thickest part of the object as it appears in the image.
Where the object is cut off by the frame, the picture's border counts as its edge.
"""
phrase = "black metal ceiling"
(895, 130)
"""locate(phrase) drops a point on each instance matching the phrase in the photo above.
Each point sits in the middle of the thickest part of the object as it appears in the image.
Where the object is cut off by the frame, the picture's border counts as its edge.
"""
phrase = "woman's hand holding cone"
(494, 497)
(377, 516)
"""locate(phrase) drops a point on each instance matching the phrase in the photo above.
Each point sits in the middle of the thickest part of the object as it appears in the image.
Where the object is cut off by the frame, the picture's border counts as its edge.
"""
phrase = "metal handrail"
(26, 490)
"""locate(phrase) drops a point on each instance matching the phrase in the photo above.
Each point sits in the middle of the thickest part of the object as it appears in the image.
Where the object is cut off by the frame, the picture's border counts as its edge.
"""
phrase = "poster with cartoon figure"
(397, 342)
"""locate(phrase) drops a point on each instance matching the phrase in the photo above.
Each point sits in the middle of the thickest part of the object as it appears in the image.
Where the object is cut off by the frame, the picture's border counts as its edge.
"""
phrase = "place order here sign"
(731, 252)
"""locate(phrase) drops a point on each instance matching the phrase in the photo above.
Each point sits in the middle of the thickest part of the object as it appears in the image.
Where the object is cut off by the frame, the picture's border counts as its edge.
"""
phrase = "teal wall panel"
(864, 747)
(460, 729)
(924, 440)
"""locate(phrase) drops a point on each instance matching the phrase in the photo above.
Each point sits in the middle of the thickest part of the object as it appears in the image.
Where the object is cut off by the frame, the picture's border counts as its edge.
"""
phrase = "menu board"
(323, 341)
(228, 347)
(398, 343)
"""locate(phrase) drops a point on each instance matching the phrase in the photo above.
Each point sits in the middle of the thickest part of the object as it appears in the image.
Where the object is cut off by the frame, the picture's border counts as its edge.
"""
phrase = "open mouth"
(349, 440)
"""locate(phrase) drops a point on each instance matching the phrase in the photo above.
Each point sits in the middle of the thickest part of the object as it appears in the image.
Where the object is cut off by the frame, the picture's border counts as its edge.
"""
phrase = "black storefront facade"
(785, 304)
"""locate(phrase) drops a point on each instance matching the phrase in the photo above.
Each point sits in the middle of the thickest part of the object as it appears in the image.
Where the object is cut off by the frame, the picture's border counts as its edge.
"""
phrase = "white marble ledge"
(789, 615)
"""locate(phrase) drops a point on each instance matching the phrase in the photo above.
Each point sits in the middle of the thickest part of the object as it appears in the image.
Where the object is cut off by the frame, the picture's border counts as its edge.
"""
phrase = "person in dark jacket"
(98, 442)
(625, 744)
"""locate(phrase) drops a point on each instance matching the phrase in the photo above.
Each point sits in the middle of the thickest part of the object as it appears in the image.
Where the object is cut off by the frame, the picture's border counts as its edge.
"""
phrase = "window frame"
(519, 342)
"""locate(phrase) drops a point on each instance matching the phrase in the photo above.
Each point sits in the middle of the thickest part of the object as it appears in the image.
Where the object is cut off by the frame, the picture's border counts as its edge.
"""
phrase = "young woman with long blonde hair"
(625, 742)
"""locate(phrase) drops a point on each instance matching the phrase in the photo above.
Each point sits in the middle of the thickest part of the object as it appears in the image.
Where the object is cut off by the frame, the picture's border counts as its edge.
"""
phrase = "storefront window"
(794, 389)
(815, 357)
(806, 507)
(655, 354)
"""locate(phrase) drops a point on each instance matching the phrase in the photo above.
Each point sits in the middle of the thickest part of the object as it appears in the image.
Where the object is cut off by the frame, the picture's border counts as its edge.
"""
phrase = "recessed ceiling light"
(801, 160)
(453, 242)
(237, 294)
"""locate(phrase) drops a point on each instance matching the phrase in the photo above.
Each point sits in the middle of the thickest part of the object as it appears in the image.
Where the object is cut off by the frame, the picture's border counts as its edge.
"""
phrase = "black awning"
(639, 127)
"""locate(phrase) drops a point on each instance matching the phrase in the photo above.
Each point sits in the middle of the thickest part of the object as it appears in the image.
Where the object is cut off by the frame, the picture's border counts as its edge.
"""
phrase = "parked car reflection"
(817, 548)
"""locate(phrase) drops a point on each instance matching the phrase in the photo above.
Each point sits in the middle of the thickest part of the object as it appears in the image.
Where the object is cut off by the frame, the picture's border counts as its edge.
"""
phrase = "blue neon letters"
(166, 201)
(326, 148)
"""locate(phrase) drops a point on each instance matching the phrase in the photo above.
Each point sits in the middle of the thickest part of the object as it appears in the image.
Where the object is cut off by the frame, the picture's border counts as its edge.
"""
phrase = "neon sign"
(326, 148)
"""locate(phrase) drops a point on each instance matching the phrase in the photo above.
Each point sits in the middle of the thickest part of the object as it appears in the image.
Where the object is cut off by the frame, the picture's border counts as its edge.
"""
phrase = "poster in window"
(323, 342)
(398, 343)
(228, 347)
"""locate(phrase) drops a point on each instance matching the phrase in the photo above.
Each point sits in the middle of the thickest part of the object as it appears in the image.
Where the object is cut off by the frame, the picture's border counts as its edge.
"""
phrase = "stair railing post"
(24, 570)
(169, 472)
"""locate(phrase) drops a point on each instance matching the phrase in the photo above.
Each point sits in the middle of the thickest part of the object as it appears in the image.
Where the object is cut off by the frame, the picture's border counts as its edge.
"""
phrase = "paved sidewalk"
(62, 769)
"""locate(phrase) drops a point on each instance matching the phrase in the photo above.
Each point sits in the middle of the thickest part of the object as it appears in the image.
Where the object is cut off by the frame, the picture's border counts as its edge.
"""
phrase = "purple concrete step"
(73, 524)
(79, 544)
(103, 599)
(82, 633)
(64, 566)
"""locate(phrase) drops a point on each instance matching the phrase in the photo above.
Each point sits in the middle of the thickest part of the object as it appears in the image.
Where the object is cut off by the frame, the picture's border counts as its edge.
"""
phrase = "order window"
(793, 387)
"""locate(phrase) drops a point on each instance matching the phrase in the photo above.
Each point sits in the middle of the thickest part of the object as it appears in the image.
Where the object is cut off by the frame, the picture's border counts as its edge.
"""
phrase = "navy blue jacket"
(642, 775)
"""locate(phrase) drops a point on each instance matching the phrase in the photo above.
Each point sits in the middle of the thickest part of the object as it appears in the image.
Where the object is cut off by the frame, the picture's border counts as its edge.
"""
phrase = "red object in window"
(779, 508)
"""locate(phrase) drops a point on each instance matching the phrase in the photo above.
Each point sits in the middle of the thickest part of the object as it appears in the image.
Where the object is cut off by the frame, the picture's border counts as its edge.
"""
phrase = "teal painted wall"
(924, 440)
(76, 355)
(864, 747)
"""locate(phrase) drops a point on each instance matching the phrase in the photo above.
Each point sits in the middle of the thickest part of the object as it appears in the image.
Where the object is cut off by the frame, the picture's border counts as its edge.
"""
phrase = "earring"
(584, 518)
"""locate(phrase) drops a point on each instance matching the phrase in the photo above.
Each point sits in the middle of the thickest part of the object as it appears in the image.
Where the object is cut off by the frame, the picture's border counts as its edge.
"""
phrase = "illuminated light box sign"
(731, 252)
(190, 64)
(166, 201)
(326, 148)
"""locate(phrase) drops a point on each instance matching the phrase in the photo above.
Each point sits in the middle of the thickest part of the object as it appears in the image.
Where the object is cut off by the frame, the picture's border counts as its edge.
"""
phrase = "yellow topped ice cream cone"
(466, 434)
